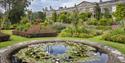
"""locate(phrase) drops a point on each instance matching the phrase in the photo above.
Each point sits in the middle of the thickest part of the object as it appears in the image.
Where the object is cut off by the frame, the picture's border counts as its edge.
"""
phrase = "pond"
(60, 53)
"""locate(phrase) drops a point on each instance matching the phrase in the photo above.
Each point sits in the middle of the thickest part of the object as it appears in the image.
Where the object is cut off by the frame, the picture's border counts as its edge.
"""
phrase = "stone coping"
(115, 55)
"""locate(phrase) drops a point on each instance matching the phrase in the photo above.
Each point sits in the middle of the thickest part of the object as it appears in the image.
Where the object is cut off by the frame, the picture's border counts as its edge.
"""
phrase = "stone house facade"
(89, 7)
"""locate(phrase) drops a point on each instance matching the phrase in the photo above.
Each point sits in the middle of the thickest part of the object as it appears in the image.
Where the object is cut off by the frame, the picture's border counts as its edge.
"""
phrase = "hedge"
(31, 35)
(4, 37)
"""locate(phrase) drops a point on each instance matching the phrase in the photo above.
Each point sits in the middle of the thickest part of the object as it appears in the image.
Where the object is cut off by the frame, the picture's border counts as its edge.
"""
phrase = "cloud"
(37, 5)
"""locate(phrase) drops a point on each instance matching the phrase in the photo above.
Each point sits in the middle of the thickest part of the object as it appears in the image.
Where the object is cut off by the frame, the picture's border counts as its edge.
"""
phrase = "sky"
(38, 5)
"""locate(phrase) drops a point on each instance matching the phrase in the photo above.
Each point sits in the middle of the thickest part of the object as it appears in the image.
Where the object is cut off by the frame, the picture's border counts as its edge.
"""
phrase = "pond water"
(56, 49)
(61, 49)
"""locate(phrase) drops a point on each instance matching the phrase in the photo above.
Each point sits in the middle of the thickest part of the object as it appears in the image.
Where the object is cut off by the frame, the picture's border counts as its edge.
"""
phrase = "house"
(89, 7)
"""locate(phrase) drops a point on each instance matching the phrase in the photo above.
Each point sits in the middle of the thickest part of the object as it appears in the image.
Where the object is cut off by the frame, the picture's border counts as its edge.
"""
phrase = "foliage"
(120, 12)
(100, 27)
(59, 26)
(84, 16)
(24, 24)
(64, 17)
(39, 15)
(107, 13)
(105, 21)
(75, 17)
(78, 50)
(101, 21)
(4, 37)
(97, 11)
(5, 23)
(1, 22)
(93, 22)
(35, 53)
(18, 10)
(1, 14)
(54, 16)
(117, 35)
(78, 31)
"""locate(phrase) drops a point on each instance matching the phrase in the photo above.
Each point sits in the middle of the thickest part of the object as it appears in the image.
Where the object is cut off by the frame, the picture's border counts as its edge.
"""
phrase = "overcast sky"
(38, 5)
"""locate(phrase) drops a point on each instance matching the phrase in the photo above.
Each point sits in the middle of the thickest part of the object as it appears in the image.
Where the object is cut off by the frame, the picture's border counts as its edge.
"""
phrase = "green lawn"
(17, 39)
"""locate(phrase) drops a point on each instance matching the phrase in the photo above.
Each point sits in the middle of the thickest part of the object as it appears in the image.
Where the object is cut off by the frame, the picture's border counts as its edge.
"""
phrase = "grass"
(16, 39)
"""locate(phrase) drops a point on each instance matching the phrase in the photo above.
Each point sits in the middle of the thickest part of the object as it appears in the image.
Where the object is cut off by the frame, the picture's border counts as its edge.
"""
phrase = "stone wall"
(115, 55)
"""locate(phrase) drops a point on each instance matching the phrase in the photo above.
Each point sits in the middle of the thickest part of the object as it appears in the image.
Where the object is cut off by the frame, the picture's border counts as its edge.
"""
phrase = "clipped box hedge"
(4, 37)
(31, 35)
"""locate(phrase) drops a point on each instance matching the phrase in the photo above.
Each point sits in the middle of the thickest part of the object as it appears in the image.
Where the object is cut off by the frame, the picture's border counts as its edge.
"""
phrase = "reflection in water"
(103, 58)
(56, 49)
(61, 49)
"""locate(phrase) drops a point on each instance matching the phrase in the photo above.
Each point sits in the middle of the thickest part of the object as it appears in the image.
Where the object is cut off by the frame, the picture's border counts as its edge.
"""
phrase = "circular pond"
(60, 51)
(66, 52)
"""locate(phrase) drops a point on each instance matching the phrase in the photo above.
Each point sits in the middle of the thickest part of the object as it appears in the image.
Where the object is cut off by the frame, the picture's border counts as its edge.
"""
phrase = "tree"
(107, 14)
(54, 16)
(39, 15)
(1, 14)
(18, 10)
(120, 12)
(64, 17)
(97, 11)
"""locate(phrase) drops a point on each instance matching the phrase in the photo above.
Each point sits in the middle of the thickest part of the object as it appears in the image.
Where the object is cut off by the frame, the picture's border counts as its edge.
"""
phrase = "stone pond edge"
(5, 53)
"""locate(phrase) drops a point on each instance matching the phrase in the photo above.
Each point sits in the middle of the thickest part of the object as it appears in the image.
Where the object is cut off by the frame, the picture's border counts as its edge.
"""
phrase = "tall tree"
(97, 11)
(107, 13)
(54, 16)
(18, 10)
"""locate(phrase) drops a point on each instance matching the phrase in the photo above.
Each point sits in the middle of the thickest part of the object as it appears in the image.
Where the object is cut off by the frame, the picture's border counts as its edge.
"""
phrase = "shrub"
(4, 37)
(117, 35)
(5, 23)
(102, 21)
(118, 38)
(118, 31)
(104, 27)
(105, 21)
(35, 30)
(59, 26)
(84, 35)
(107, 36)
(93, 22)
(65, 34)
(79, 31)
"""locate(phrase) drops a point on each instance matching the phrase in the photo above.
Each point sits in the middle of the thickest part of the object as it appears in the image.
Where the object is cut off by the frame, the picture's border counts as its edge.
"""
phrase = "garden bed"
(4, 37)
(31, 35)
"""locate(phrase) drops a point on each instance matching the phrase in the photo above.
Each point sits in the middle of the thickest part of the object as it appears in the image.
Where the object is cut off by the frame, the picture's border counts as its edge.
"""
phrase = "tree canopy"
(120, 12)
